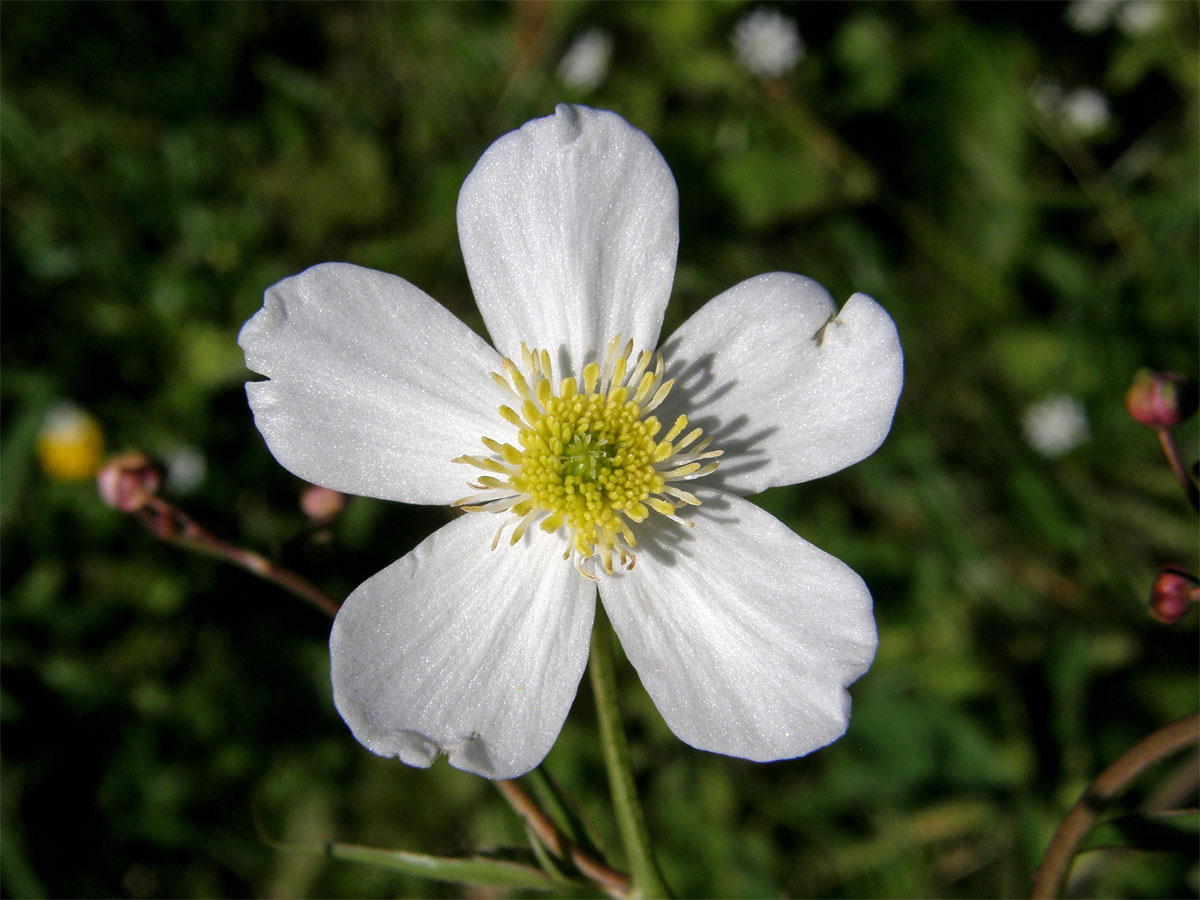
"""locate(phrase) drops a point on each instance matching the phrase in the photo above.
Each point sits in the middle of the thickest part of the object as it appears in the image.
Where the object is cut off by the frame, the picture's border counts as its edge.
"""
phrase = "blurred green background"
(1017, 184)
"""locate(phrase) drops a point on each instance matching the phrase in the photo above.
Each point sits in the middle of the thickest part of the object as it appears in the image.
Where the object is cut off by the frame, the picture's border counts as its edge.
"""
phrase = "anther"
(588, 458)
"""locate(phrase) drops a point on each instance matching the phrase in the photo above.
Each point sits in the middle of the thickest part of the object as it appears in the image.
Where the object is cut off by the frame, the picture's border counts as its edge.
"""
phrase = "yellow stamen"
(589, 458)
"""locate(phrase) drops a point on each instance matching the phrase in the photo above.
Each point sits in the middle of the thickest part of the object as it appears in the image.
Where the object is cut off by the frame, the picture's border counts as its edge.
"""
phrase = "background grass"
(164, 164)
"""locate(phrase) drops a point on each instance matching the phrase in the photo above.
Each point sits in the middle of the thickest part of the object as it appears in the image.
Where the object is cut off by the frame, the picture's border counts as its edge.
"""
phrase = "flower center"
(590, 456)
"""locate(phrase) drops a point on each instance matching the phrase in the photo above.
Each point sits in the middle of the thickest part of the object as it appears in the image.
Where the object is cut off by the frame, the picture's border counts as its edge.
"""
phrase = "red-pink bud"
(321, 504)
(1161, 399)
(1174, 591)
(127, 480)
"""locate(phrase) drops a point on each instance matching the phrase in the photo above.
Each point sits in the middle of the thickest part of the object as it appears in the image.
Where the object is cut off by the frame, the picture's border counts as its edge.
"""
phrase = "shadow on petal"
(743, 450)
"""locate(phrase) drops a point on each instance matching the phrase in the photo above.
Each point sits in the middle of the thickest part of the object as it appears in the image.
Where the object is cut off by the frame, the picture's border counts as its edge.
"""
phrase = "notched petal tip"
(819, 336)
(790, 387)
(269, 320)
(569, 230)
(285, 297)
(862, 319)
(469, 753)
(409, 747)
(567, 123)
(419, 672)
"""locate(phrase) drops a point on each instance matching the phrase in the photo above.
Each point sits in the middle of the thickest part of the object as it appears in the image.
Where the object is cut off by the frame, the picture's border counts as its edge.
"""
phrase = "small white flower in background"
(1137, 17)
(585, 64)
(580, 440)
(767, 43)
(1090, 16)
(1056, 425)
(1132, 17)
(186, 469)
(1085, 111)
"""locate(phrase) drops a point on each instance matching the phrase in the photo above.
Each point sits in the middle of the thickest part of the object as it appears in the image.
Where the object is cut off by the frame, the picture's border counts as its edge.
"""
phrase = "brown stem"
(1049, 879)
(1171, 451)
(171, 524)
(614, 883)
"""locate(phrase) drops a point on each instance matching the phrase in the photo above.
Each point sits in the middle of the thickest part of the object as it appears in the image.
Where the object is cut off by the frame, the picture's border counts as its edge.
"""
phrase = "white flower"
(1133, 17)
(1140, 16)
(186, 469)
(1085, 111)
(1056, 425)
(585, 63)
(744, 635)
(1082, 112)
(1090, 16)
(767, 43)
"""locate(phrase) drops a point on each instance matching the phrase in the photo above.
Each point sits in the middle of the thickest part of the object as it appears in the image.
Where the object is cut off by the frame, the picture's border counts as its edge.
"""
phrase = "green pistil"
(586, 457)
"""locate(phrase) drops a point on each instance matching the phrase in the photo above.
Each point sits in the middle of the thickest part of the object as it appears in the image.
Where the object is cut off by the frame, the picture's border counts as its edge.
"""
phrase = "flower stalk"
(1175, 460)
(1051, 875)
(614, 883)
(1162, 400)
(129, 483)
(647, 879)
(173, 526)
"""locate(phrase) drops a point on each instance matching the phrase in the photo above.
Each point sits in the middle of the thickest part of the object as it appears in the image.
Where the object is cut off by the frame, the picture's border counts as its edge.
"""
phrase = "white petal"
(374, 387)
(569, 227)
(744, 634)
(464, 650)
(789, 393)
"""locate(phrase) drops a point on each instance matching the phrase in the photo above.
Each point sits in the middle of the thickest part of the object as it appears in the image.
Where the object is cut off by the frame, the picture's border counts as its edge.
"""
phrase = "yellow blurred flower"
(70, 444)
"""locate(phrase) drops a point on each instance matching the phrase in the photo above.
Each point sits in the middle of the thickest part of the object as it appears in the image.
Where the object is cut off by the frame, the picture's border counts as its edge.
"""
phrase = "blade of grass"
(463, 870)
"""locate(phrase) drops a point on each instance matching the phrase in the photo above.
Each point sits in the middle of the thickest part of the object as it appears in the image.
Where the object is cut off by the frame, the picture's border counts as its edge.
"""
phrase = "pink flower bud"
(127, 480)
(321, 504)
(1174, 591)
(1160, 399)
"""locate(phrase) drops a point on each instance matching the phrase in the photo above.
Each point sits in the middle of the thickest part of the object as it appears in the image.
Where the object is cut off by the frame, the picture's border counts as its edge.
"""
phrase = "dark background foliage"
(163, 164)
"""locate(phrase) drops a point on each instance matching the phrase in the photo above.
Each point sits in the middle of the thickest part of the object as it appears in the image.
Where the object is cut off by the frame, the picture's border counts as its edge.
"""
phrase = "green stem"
(647, 880)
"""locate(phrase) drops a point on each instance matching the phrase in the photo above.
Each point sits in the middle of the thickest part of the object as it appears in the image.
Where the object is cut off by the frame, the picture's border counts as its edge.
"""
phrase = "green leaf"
(462, 869)
(1171, 832)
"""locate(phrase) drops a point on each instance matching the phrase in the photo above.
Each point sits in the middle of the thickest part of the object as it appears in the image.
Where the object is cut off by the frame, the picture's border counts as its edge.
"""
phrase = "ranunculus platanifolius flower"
(589, 461)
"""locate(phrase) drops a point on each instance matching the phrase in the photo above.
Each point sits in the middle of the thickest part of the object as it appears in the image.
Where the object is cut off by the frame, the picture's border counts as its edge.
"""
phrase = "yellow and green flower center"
(590, 455)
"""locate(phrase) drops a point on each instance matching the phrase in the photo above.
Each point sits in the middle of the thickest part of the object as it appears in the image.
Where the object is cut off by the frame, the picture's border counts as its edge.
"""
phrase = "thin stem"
(647, 880)
(614, 883)
(171, 524)
(1171, 450)
(1051, 875)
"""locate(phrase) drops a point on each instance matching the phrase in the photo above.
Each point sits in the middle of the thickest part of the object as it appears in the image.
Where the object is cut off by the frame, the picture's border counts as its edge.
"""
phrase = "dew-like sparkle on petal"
(590, 456)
